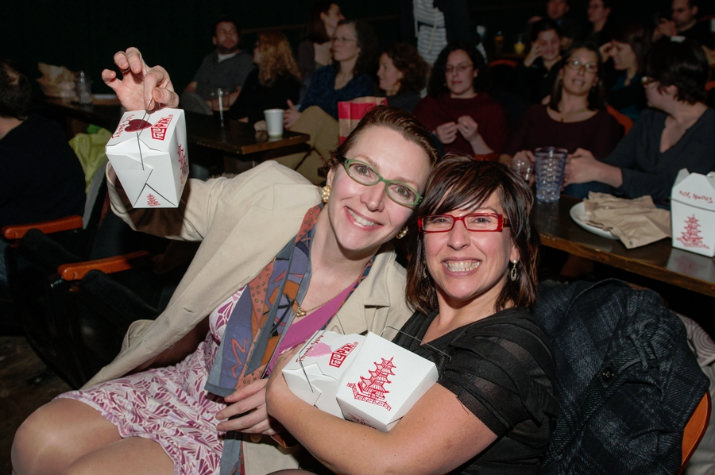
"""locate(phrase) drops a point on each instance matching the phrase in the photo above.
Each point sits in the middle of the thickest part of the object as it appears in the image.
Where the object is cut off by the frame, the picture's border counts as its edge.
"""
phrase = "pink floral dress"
(169, 405)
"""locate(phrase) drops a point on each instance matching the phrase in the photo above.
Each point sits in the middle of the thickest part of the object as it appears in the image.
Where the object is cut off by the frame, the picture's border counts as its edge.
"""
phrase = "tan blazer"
(243, 222)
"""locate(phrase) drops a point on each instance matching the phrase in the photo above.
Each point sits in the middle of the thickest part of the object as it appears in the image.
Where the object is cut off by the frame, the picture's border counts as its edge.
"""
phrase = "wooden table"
(658, 261)
(235, 139)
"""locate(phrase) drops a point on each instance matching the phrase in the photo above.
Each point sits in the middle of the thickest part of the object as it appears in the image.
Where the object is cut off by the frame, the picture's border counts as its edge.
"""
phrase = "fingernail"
(150, 105)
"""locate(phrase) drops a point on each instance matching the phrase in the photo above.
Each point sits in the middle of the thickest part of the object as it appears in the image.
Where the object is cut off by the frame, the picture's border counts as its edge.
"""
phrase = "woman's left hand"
(581, 167)
(246, 410)
(468, 127)
(276, 383)
(290, 115)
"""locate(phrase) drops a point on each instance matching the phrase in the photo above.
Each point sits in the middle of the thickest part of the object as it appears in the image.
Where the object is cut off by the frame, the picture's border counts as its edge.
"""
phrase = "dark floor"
(25, 384)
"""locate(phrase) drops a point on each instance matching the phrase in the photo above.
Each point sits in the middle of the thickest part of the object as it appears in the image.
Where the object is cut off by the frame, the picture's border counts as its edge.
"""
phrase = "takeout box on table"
(314, 373)
(383, 382)
(365, 379)
(692, 204)
(149, 154)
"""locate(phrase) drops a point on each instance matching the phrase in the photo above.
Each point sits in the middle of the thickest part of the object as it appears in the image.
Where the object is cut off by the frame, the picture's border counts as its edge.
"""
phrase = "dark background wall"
(80, 34)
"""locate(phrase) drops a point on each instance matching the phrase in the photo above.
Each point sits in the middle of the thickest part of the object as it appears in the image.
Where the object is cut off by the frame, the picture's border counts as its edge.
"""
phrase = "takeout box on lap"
(692, 203)
(149, 154)
(314, 373)
(383, 382)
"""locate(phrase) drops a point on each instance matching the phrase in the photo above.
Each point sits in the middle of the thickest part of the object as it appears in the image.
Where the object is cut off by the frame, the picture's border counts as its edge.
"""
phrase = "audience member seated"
(264, 233)
(575, 115)
(601, 23)
(402, 75)
(628, 50)
(226, 68)
(354, 48)
(534, 76)
(571, 28)
(40, 176)
(465, 120)
(493, 408)
(684, 22)
(275, 80)
(314, 48)
(676, 133)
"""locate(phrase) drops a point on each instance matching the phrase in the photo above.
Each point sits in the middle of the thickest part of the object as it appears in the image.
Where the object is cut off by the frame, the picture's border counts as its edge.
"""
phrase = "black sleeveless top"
(501, 369)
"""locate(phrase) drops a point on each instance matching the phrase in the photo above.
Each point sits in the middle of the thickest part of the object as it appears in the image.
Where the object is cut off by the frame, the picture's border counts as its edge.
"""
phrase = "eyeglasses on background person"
(475, 222)
(460, 68)
(576, 64)
(401, 193)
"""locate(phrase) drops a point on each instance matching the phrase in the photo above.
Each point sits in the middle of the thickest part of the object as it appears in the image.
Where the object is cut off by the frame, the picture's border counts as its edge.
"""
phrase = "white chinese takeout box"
(692, 210)
(383, 383)
(314, 373)
(366, 379)
(149, 154)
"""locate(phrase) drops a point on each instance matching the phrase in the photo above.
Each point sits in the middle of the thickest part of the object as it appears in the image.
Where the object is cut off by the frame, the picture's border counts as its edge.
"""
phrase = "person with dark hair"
(570, 26)
(684, 22)
(402, 75)
(534, 76)
(473, 282)
(627, 50)
(274, 81)
(354, 47)
(279, 259)
(465, 119)
(314, 48)
(675, 133)
(600, 20)
(575, 116)
(40, 176)
(225, 68)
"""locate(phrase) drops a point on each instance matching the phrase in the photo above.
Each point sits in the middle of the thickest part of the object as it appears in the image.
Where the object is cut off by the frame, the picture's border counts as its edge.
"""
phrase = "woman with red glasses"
(472, 281)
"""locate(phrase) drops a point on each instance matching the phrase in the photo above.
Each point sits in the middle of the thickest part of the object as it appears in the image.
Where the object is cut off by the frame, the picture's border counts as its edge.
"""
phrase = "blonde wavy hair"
(276, 58)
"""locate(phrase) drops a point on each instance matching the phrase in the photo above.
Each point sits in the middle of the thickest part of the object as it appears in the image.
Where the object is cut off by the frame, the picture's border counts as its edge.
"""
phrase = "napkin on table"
(635, 222)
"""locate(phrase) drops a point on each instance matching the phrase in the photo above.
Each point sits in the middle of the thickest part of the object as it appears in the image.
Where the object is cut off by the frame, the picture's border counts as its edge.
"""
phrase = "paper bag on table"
(56, 81)
(149, 154)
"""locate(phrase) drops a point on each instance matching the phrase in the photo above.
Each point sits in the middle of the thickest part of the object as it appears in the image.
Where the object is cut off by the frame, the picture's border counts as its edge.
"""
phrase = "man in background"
(225, 68)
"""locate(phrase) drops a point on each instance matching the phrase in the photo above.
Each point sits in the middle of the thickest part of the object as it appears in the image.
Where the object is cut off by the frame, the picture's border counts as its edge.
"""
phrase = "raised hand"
(140, 86)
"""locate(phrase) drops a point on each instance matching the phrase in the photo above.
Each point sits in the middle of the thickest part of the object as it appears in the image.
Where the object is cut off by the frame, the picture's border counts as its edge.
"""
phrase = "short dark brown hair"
(459, 182)
(682, 64)
(15, 91)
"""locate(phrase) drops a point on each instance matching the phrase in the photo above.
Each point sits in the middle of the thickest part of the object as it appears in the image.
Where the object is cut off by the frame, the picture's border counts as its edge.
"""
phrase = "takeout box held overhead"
(383, 383)
(149, 154)
(314, 373)
(693, 212)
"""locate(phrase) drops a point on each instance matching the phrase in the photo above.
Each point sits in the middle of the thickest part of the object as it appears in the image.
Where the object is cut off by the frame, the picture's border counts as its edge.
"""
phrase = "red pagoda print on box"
(151, 200)
(690, 237)
(372, 389)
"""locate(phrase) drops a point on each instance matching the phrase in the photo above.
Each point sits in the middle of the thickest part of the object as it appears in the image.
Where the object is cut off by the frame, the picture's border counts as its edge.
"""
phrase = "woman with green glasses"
(472, 281)
(187, 392)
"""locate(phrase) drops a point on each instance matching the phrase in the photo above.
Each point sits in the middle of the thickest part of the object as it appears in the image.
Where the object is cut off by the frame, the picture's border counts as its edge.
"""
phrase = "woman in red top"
(464, 120)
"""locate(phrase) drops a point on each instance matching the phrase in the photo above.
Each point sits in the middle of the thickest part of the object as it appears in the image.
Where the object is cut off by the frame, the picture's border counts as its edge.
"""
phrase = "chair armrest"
(77, 270)
(13, 232)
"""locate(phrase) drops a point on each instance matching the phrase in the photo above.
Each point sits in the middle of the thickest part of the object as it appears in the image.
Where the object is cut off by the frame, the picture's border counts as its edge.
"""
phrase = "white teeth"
(462, 266)
(360, 220)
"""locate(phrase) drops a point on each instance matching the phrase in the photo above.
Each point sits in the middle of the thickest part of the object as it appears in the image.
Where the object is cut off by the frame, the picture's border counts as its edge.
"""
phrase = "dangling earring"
(325, 193)
(402, 233)
(514, 271)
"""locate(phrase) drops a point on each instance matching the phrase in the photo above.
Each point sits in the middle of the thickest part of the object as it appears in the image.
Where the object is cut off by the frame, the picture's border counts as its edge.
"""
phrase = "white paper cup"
(274, 122)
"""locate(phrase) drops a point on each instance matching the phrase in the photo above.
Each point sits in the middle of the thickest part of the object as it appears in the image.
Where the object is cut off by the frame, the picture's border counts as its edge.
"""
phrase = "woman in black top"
(472, 280)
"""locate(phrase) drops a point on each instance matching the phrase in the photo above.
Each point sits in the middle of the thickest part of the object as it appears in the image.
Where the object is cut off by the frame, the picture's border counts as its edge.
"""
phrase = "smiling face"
(550, 44)
(466, 265)
(459, 75)
(344, 44)
(362, 218)
(389, 75)
(577, 80)
(226, 37)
